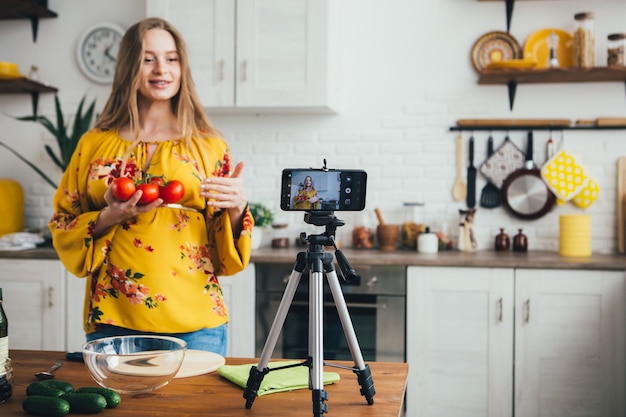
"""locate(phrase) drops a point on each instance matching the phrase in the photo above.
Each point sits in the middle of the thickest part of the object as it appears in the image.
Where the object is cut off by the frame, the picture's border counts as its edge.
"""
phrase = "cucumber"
(58, 384)
(37, 388)
(85, 403)
(39, 405)
(112, 397)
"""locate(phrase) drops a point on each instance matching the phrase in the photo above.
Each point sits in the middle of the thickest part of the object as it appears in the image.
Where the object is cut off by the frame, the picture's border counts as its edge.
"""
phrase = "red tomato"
(172, 192)
(150, 193)
(158, 181)
(123, 188)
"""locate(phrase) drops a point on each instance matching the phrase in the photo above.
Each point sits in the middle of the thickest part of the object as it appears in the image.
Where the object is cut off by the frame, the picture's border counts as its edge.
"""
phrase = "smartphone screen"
(323, 190)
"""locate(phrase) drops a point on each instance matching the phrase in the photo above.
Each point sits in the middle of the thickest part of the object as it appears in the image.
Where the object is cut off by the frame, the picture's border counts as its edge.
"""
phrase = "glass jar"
(584, 39)
(616, 43)
(413, 224)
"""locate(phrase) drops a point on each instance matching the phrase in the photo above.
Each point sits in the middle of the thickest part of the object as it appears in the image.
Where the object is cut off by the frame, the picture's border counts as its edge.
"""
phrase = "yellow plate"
(512, 64)
(9, 70)
(538, 48)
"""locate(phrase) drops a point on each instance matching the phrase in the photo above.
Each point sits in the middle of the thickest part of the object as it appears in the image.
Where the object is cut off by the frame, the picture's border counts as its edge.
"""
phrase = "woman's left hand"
(226, 192)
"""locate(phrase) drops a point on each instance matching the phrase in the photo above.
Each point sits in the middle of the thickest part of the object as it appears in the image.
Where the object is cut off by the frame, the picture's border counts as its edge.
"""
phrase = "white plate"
(199, 362)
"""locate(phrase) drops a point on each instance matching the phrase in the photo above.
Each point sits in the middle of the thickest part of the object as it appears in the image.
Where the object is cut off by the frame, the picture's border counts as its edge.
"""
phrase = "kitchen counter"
(482, 259)
(479, 259)
(212, 395)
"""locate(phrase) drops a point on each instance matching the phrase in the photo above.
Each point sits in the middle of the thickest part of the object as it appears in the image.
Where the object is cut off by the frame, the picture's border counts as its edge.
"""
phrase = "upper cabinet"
(26, 9)
(260, 55)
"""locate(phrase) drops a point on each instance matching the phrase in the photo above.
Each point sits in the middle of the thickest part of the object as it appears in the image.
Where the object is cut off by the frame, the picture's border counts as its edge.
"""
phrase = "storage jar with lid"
(616, 43)
(413, 223)
(584, 39)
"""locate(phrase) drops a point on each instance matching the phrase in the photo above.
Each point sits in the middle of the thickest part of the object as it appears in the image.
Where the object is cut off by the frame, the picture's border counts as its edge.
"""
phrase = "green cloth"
(275, 381)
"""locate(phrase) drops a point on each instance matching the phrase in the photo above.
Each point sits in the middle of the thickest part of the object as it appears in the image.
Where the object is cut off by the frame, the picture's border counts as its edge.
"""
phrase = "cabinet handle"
(500, 310)
(527, 319)
(244, 70)
(221, 77)
(50, 294)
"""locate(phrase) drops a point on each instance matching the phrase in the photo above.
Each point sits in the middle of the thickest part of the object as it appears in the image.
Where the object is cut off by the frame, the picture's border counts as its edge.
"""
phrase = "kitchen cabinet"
(44, 305)
(523, 342)
(34, 300)
(239, 296)
(260, 55)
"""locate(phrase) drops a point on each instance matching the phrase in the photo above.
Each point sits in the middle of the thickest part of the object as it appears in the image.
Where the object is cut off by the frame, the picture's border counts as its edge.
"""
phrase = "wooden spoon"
(459, 189)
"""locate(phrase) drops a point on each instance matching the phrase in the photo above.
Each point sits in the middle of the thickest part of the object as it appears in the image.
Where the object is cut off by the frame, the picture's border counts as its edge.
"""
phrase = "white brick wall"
(406, 79)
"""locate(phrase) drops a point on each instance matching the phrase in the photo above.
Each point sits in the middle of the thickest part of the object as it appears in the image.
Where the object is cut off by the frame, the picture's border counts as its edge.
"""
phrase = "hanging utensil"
(470, 199)
(524, 193)
(459, 189)
(490, 194)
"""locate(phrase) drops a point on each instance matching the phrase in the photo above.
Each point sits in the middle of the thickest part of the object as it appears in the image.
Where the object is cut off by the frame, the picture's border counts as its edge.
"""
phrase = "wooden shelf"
(513, 77)
(552, 75)
(26, 9)
(26, 86)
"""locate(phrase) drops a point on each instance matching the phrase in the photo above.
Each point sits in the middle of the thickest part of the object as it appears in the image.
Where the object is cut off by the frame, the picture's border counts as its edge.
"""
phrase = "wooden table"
(212, 395)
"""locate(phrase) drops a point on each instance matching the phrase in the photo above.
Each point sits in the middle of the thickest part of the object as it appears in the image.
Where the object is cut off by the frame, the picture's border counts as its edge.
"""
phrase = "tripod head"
(317, 242)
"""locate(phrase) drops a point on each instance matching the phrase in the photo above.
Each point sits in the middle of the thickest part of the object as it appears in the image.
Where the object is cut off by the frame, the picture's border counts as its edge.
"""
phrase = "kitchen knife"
(471, 177)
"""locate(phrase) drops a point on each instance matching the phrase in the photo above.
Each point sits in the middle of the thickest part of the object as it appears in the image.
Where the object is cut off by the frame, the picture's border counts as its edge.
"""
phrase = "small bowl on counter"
(134, 364)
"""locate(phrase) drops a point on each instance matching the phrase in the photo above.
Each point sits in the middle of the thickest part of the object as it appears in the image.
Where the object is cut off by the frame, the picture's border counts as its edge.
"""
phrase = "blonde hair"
(121, 108)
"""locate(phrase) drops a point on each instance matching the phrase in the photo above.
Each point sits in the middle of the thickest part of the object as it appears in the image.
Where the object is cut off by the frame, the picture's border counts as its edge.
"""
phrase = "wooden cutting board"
(621, 204)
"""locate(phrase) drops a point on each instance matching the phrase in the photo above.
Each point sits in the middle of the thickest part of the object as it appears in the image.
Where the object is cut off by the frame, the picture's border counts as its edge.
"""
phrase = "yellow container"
(575, 235)
(11, 207)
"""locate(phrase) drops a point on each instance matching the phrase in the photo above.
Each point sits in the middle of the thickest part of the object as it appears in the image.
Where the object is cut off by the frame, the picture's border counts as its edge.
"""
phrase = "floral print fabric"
(158, 271)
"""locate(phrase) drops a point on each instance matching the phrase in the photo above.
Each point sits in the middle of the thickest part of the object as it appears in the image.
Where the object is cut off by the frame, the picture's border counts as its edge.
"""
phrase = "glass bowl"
(134, 364)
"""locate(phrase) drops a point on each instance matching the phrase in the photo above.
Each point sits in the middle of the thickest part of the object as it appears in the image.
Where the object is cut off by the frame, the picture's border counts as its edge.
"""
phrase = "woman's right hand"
(117, 211)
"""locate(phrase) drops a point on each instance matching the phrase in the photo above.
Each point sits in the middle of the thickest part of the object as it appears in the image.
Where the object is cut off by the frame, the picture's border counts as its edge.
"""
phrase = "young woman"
(153, 267)
(307, 196)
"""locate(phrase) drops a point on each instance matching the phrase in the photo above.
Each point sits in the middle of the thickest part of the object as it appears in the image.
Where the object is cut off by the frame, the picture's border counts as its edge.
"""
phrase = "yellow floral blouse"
(301, 201)
(157, 271)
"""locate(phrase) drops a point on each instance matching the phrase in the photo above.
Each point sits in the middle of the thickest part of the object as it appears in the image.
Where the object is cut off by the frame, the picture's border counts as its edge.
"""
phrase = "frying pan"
(524, 193)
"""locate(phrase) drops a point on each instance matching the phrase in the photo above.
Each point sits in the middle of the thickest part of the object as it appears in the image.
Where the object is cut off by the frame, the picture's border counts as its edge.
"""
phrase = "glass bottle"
(4, 331)
(520, 242)
(616, 43)
(502, 242)
(6, 379)
(584, 39)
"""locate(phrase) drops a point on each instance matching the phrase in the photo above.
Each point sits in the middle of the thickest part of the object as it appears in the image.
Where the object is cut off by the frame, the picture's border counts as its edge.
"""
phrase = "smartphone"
(314, 190)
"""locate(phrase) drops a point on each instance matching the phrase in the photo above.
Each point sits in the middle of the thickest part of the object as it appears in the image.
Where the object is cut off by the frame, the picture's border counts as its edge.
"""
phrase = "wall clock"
(97, 50)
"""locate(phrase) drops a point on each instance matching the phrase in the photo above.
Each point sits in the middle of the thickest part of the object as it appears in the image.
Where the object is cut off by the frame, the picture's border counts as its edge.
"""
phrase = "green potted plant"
(263, 218)
(66, 140)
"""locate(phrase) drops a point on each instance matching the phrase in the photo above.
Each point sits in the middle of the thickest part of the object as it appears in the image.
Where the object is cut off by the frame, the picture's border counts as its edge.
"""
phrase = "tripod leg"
(363, 372)
(257, 373)
(316, 341)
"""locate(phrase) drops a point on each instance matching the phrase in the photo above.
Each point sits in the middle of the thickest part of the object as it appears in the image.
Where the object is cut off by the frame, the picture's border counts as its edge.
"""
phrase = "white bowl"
(134, 364)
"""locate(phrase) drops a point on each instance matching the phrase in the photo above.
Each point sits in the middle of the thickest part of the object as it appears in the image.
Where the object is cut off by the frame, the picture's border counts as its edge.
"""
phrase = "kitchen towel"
(288, 379)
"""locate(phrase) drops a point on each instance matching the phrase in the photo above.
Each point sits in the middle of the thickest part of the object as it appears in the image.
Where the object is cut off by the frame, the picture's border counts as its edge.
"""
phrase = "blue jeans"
(212, 340)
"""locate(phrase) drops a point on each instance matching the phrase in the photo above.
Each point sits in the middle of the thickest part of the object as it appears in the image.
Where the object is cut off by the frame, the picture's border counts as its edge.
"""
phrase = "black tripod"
(319, 263)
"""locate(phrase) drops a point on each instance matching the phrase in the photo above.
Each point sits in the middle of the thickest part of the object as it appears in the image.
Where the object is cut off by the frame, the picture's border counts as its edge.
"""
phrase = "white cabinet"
(504, 342)
(239, 296)
(569, 343)
(260, 55)
(34, 301)
(459, 341)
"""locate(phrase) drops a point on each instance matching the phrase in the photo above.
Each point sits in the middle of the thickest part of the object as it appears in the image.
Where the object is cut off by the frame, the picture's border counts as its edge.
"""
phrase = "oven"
(376, 304)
